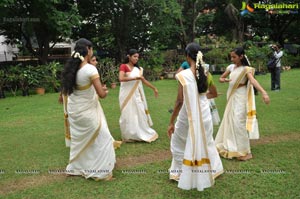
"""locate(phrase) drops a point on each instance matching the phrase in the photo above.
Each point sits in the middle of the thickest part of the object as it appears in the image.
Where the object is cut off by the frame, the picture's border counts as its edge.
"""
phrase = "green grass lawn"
(32, 143)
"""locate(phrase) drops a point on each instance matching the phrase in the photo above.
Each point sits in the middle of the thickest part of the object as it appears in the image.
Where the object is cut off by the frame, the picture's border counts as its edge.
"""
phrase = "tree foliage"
(37, 23)
(117, 25)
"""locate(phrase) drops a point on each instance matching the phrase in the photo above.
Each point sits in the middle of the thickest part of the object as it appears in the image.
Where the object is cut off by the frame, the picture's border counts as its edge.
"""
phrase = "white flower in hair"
(77, 55)
(247, 59)
(199, 59)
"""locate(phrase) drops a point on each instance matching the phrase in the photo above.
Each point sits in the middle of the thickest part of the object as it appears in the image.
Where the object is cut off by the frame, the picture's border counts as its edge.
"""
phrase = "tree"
(115, 26)
(37, 23)
(275, 25)
(195, 19)
(238, 24)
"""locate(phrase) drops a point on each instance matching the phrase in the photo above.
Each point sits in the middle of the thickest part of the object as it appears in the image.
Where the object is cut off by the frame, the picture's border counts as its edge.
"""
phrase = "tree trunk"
(234, 17)
(43, 43)
(121, 31)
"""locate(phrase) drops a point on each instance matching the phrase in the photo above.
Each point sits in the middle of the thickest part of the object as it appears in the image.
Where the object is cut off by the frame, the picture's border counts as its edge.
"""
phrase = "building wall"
(7, 51)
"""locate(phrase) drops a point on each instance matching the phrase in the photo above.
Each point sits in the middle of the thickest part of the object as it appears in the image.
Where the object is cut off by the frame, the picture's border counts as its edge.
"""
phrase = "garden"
(23, 79)
(36, 39)
(34, 155)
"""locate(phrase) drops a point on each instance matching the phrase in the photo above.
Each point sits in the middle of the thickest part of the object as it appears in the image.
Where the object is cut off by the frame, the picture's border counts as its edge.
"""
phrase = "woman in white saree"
(63, 99)
(196, 162)
(92, 152)
(135, 121)
(211, 92)
(239, 119)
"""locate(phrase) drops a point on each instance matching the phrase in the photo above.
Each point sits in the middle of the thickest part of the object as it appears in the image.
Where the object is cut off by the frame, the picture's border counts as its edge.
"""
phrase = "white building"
(7, 51)
(10, 52)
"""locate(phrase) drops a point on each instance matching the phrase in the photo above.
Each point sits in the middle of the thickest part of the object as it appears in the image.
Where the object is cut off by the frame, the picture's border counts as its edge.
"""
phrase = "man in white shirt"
(275, 74)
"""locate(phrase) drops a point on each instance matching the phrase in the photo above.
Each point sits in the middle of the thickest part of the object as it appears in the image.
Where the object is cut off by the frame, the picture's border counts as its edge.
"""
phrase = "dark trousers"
(275, 79)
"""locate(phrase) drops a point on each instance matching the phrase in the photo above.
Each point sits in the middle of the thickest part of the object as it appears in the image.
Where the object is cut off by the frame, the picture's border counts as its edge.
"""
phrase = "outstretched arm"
(255, 83)
(177, 107)
(147, 83)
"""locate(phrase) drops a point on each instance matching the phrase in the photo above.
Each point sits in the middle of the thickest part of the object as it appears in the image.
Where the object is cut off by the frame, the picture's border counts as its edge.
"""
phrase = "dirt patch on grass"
(166, 154)
(132, 161)
(29, 182)
(276, 138)
(126, 162)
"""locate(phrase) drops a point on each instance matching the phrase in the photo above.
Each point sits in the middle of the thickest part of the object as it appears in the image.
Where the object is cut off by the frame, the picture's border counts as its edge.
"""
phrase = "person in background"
(184, 65)
(211, 94)
(239, 120)
(275, 74)
(94, 60)
(135, 121)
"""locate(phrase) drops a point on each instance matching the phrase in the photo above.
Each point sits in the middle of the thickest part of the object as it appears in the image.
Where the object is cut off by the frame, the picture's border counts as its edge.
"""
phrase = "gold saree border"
(88, 85)
(251, 114)
(67, 127)
(177, 177)
(204, 136)
(196, 162)
(145, 104)
(235, 86)
(203, 160)
(130, 95)
(94, 77)
(218, 174)
(188, 106)
(131, 92)
(81, 88)
(231, 154)
(66, 116)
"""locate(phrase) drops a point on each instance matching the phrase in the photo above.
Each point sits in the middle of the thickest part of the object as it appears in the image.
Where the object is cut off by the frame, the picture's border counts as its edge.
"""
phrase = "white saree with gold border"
(92, 153)
(239, 121)
(135, 121)
(196, 162)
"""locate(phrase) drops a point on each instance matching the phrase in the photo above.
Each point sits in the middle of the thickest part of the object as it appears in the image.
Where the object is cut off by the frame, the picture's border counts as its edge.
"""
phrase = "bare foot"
(109, 178)
(246, 157)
